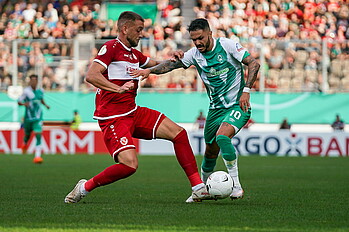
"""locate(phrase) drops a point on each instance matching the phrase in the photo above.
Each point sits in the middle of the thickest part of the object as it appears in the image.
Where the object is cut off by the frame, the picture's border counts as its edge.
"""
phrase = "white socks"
(232, 167)
(83, 190)
(38, 151)
(205, 175)
(198, 186)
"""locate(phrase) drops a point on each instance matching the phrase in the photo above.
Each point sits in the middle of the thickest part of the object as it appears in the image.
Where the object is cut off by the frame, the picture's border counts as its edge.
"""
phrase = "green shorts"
(233, 115)
(30, 126)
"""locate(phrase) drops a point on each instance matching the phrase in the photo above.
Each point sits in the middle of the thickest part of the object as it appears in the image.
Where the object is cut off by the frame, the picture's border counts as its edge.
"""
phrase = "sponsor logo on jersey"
(128, 56)
(130, 69)
(103, 50)
(213, 72)
(123, 141)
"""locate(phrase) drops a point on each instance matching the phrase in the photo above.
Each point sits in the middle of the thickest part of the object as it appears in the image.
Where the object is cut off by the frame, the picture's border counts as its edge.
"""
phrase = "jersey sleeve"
(22, 98)
(105, 55)
(143, 60)
(188, 58)
(235, 49)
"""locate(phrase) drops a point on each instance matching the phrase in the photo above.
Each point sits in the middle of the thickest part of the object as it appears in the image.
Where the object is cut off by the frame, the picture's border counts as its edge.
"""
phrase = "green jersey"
(34, 111)
(221, 71)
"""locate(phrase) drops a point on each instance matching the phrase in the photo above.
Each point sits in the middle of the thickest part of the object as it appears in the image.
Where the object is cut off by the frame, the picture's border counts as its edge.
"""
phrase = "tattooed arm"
(166, 66)
(161, 68)
(253, 67)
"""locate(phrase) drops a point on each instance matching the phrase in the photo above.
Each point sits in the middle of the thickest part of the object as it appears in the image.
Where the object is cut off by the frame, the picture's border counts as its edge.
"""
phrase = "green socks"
(227, 148)
(208, 164)
(38, 139)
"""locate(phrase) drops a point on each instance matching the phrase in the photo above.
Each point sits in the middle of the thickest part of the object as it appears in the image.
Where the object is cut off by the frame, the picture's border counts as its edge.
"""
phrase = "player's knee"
(128, 158)
(178, 130)
(133, 163)
(180, 136)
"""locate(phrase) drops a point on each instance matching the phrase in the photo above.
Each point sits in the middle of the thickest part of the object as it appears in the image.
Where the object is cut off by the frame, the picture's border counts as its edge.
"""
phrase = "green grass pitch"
(281, 194)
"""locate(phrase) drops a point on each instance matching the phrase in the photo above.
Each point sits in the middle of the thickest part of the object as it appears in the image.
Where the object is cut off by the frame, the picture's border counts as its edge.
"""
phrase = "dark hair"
(127, 16)
(33, 76)
(199, 24)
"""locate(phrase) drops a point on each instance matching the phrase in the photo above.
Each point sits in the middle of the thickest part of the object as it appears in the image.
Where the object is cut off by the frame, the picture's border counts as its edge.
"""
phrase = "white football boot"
(76, 194)
(199, 195)
(237, 193)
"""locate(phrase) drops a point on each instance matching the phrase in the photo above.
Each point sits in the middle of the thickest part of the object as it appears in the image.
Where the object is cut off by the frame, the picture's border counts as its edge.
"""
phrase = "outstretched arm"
(161, 68)
(166, 66)
(253, 67)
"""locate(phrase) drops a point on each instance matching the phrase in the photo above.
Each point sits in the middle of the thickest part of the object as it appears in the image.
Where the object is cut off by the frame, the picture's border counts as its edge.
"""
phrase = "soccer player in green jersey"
(219, 64)
(32, 98)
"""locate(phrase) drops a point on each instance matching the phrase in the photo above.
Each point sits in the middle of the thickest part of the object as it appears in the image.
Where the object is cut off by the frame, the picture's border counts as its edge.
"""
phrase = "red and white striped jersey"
(118, 60)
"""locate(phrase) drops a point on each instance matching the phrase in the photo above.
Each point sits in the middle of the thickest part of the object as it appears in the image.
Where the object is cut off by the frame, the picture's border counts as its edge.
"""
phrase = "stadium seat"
(274, 73)
(284, 84)
(297, 83)
(336, 67)
(286, 73)
(345, 83)
(334, 82)
(312, 74)
(298, 73)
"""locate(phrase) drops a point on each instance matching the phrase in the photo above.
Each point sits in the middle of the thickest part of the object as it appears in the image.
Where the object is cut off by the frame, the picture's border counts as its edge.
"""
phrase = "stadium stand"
(290, 32)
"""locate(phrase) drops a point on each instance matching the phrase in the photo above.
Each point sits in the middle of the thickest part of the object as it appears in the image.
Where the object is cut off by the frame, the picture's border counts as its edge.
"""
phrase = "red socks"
(184, 154)
(185, 157)
(109, 175)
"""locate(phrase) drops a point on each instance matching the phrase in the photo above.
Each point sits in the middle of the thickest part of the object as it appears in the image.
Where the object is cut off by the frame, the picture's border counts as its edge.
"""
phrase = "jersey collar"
(214, 44)
(127, 48)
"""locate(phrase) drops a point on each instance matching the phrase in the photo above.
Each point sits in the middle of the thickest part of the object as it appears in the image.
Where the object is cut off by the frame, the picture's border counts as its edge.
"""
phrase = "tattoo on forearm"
(166, 66)
(253, 67)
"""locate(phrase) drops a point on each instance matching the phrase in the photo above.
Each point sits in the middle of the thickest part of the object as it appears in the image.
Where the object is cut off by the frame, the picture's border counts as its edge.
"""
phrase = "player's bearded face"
(135, 33)
(201, 39)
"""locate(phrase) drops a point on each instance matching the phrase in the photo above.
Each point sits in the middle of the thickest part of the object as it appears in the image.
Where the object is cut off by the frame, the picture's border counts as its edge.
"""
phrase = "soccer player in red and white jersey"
(120, 119)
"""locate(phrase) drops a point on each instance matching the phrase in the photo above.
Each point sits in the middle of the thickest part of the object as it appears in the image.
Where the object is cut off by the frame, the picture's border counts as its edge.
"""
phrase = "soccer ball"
(219, 185)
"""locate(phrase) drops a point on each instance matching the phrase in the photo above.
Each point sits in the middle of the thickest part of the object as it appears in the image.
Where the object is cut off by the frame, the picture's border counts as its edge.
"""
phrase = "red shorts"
(118, 132)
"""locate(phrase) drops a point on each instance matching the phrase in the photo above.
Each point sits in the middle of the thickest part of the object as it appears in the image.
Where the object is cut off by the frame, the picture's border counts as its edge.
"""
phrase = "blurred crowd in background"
(289, 33)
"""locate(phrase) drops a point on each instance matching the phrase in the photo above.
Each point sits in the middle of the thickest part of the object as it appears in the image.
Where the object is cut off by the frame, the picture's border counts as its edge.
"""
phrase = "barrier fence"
(283, 143)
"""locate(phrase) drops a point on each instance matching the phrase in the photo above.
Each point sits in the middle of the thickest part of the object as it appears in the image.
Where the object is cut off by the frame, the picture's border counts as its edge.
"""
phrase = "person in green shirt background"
(32, 98)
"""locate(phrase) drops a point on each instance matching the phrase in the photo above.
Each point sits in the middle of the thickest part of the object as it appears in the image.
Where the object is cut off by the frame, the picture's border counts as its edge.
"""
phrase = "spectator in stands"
(29, 13)
(51, 13)
(285, 125)
(241, 20)
(338, 124)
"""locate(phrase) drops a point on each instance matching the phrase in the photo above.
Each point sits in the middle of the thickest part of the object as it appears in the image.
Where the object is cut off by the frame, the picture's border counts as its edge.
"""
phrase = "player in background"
(200, 120)
(120, 119)
(75, 123)
(219, 64)
(32, 98)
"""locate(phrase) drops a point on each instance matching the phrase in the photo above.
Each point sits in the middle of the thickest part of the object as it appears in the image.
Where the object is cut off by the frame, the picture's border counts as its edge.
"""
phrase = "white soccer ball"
(219, 185)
